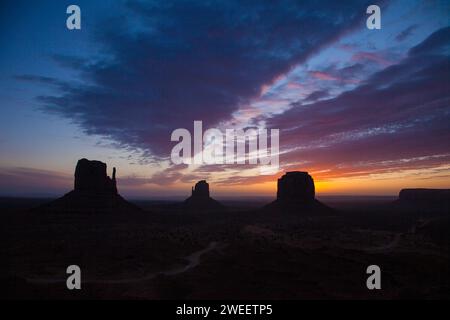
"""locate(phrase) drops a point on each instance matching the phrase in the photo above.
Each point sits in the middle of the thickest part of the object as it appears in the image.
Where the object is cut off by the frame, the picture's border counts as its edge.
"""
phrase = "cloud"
(323, 75)
(316, 95)
(437, 43)
(397, 118)
(348, 74)
(406, 33)
(165, 64)
(364, 56)
(168, 176)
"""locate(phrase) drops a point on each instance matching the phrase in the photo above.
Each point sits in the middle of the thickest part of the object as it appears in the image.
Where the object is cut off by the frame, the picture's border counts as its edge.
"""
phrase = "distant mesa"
(431, 200)
(296, 194)
(200, 199)
(425, 195)
(94, 191)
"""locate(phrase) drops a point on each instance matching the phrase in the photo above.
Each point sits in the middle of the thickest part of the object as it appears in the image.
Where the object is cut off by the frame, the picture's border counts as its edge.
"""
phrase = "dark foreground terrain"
(240, 253)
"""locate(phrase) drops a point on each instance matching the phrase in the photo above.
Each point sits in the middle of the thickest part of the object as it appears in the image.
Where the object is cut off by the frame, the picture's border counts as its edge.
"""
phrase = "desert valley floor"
(242, 252)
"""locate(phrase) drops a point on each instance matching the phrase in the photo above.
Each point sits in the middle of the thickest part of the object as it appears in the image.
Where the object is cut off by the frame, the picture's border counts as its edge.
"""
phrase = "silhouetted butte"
(424, 200)
(200, 199)
(94, 192)
(296, 194)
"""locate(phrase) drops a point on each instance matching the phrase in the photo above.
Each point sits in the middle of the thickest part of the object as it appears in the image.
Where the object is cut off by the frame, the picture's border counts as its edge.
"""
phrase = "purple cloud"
(399, 116)
(316, 95)
(406, 33)
(171, 63)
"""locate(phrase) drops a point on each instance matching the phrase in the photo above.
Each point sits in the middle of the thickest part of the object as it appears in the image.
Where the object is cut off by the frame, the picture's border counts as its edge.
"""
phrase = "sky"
(365, 112)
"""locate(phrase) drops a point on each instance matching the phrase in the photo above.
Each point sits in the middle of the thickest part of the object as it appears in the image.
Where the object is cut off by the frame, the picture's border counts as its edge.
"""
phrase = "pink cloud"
(378, 58)
(323, 75)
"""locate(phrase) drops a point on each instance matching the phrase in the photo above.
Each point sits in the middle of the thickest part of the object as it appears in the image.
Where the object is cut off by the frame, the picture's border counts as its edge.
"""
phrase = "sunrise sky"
(365, 112)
